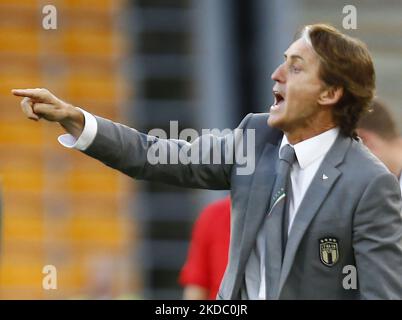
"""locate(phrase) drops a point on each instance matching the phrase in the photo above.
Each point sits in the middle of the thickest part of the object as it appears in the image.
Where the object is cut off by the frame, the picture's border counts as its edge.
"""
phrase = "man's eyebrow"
(293, 57)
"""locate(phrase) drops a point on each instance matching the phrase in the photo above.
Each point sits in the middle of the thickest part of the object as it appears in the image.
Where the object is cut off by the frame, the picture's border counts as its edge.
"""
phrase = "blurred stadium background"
(205, 63)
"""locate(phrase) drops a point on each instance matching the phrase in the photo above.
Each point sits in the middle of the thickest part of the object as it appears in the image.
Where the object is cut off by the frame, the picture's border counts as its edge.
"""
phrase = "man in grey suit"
(319, 217)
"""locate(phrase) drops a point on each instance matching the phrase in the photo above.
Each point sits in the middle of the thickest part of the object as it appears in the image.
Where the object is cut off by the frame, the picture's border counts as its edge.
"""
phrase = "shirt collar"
(311, 149)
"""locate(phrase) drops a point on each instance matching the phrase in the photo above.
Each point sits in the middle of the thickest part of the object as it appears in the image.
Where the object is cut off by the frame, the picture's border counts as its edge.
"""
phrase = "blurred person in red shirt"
(207, 258)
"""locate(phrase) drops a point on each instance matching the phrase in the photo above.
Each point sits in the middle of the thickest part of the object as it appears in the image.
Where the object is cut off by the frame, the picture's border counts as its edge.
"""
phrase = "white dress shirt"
(309, 153)
(87, 136)
(400, 181)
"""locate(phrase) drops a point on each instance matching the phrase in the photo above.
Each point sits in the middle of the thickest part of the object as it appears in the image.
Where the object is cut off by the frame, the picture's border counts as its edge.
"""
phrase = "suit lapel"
(257, 206)
(319, 190)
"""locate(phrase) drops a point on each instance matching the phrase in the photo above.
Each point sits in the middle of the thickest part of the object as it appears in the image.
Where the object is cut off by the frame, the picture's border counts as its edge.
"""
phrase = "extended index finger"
(36, 94)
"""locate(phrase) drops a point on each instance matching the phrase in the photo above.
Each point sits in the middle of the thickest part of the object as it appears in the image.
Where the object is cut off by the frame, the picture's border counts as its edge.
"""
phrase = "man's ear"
(363, 134)
(330, 96)
(369, 138)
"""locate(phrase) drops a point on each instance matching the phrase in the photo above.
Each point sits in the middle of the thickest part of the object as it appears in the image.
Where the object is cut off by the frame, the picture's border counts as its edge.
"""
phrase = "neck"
(301, 134)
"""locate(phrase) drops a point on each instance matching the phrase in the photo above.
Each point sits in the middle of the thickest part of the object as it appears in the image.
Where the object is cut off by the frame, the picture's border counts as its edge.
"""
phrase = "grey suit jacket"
(350, 217)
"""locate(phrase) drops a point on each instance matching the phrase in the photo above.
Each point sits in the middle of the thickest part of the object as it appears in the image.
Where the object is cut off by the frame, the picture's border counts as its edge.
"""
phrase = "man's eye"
(295, 69)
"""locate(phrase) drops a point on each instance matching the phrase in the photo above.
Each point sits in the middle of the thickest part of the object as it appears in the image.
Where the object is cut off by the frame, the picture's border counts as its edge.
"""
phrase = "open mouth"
(279, 99)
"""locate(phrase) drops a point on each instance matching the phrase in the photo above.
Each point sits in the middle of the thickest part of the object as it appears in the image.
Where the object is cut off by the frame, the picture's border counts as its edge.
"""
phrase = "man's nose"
(279, 74)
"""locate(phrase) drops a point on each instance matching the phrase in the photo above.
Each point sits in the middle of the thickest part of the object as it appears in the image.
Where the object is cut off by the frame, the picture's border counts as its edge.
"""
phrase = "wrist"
(74, 121)
(74, 114)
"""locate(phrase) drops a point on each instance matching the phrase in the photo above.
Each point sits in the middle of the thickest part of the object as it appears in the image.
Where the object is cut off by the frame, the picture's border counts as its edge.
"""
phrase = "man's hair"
(344, 62)
(380, 121)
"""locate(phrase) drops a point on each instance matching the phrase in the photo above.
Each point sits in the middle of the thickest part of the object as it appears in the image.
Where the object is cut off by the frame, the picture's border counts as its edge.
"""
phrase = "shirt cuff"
(87, 136)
